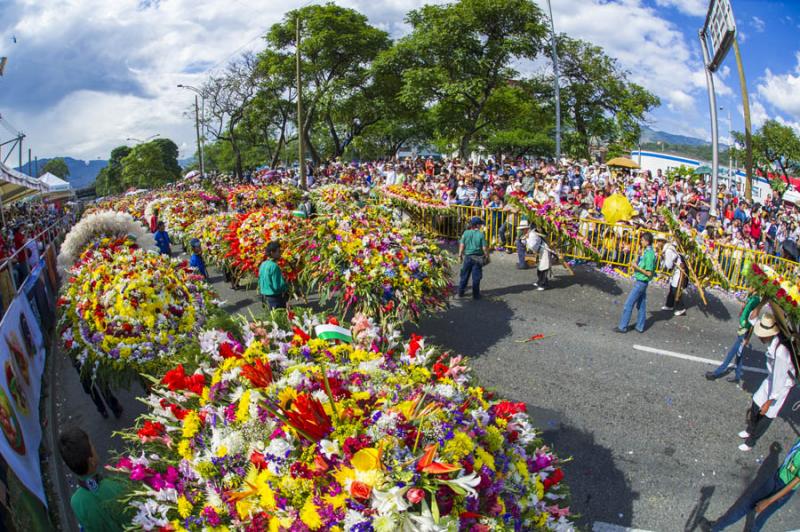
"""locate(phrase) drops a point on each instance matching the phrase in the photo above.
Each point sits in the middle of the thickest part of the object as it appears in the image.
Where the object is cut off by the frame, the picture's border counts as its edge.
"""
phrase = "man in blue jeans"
(766, 499)
(643, 274)
(742, 339)
(473, 251)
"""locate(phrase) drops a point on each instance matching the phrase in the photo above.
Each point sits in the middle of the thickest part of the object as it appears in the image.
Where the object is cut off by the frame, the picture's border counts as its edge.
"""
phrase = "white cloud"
(758, 24)
(783, 90)
(697, 8)
(758, 113)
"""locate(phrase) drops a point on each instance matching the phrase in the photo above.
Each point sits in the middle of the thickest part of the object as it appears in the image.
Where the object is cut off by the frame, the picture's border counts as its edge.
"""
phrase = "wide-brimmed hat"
(523, 224)
(476, 220)
(661, 237)
(766, 326)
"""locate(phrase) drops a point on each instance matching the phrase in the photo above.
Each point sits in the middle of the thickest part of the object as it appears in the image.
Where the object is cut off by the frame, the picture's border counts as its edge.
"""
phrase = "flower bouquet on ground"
(414, 201)
(180, 211)
(126, 311)
(363, 263)
(307, 425)
(248, 198)
(334, 198)
(249, 234)
(700, 258)
(557, 226)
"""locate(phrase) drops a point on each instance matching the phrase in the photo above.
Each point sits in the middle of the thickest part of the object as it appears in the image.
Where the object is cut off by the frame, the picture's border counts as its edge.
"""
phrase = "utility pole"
(197, 130)
(556, 83)
(29, 162)
(300, 147)
(748, 130)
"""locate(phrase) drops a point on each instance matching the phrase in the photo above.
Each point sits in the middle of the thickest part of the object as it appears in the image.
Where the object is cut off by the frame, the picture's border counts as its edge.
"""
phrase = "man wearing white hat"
(770, 396)
(677, 282)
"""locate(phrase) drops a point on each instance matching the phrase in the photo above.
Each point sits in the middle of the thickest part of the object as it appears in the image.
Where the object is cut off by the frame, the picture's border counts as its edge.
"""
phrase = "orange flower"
(307, 416)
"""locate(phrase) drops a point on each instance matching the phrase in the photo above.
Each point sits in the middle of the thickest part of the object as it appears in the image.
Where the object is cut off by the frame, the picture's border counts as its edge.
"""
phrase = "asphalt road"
(653, 444)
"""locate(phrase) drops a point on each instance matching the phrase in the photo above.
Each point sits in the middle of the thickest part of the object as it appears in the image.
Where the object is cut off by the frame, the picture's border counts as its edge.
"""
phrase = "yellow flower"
(184, 507)
(185, 449)
(483, 458)
(191, 424)
(310, 516)
(243, 411)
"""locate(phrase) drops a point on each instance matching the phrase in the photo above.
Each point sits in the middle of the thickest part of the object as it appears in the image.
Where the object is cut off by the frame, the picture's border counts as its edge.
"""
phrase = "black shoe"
(461, 294)
(733, 379)
(711, 376)
(621, 331)
(522, 266)
(510, 251)
(704, 524)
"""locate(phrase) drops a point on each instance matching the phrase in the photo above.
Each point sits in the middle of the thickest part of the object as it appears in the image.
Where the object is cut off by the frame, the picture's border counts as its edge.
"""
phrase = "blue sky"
(84, 75)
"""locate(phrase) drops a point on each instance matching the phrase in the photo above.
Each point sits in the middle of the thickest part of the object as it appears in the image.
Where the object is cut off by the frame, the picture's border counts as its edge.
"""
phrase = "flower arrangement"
(771, 285)
(248, 198)
(406, 196)
(126, 311)
(249, 234)
(333, 198)
(699, 256)
(365, 264)
(211, 231)
(307, 425)
(556, 225)
(101, 224)
(180, 211)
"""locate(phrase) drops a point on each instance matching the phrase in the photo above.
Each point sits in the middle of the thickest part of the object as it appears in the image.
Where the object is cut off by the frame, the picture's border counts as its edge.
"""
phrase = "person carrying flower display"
(771, 395)
(765, 500)
(196, 260)
(473, 251)
(97, 501)
(271, 284)
(678, 279)
(162, 239)
(742, 340)
(644, 273)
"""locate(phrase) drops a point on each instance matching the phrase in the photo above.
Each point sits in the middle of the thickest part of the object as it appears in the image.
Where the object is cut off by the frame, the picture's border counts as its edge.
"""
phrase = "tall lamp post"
(197, 119)
(557, 82)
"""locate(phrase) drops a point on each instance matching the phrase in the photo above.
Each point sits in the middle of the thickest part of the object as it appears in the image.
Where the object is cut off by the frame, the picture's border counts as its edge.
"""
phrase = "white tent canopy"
(54, 183)
(16, 185)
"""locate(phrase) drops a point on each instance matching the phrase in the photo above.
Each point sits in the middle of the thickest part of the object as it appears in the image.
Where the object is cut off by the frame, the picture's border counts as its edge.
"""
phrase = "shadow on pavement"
(587, 276)
(716, 307)
(699, 510)
(767, 469)
(599, 490)
(469, 327)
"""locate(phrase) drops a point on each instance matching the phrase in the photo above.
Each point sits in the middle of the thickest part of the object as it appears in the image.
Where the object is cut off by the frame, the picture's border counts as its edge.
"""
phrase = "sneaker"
(744, 435)
(618, 330)
(711, 376)
(733, 379)
(680, 312)
(539, 288)
(522, 266)
(666, 308)
(744, 447)
(535, 285)
(510, 251)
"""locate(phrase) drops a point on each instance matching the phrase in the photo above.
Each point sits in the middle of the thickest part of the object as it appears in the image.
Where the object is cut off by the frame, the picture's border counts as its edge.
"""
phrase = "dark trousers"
(472, 266)
(748, 504)
(521, 250)
(672, 302)
(757, 424)
(542, 278)
(274, 302)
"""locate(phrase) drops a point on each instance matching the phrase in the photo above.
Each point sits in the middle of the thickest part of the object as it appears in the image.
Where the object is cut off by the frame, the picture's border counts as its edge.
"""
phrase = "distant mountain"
(81, 173)
(651, 136)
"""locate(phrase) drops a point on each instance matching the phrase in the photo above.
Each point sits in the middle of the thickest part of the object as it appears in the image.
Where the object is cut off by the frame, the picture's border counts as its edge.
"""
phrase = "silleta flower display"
(288, 430)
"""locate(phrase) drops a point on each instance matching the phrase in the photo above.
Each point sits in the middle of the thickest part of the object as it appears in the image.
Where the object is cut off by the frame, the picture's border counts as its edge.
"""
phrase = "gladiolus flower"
(307, 415)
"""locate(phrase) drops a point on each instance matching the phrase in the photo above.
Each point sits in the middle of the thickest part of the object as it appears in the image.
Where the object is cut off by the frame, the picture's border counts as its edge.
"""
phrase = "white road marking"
(692, 358)
(599, 526)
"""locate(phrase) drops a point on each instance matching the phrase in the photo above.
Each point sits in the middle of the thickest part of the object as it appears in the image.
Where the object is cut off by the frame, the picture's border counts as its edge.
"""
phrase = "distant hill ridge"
(81, 173)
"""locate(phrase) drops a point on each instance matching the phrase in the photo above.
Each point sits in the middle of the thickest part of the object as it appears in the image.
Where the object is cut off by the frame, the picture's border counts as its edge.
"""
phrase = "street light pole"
(712, 102)
(556, 83)
(300, 147)
(197, 131)
(198, 119)
(748, 131)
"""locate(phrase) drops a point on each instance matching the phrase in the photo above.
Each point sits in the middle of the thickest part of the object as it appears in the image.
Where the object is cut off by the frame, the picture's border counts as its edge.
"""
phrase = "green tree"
(169, 155)
(458, 55)
(597, 98)
(776, 149)
(57, 167)
(145, 167)
(519, 124)
(109, 180)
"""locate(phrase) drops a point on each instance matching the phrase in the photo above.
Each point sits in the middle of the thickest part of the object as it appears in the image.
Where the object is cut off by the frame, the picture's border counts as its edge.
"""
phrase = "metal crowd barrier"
(618, 244)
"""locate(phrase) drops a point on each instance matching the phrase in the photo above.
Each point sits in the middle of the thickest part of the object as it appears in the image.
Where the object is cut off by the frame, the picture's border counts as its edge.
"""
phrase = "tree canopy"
(57, 167)
(146, 165)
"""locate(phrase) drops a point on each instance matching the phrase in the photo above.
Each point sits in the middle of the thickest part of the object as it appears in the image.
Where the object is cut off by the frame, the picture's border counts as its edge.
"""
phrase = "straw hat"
(523, 224)
(766, 327)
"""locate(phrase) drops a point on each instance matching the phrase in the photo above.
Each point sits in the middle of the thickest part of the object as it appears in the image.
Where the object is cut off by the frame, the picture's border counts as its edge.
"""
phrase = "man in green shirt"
(643, 273)
(742, 339)
(96, 503)
(767, 498)
(473, 251)
(271, 284)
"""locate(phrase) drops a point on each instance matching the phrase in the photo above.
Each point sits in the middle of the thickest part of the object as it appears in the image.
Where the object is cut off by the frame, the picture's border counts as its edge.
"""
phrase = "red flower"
(257, 459)
(781, 292)
(307, 415)
(150, 430)
(333, 321)
(230, 350)
(556, 477)
(359, 490)
(176, 380)
(299, 332)
(415, 495)
(506, 409)
(440, 370)
(414, 345)
(259, 374)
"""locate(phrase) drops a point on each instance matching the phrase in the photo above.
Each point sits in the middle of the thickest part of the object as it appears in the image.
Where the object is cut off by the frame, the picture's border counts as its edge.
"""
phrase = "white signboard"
(721, 29)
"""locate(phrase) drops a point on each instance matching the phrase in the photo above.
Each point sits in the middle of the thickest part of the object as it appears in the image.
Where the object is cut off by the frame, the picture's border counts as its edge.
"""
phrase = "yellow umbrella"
(616, 207)
(622, 162)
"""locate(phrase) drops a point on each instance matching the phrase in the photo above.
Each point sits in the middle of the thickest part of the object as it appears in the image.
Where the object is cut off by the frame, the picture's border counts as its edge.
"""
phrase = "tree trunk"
(463, 147)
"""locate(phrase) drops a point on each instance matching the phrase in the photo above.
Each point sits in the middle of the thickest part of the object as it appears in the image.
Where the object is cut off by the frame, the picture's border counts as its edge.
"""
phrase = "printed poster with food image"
(22, 361)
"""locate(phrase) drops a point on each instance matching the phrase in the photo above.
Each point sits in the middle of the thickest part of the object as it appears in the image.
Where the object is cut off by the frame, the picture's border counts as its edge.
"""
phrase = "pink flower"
(415, 495)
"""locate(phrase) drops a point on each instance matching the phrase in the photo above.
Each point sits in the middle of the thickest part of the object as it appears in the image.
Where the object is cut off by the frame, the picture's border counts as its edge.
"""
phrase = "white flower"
(329, 448)
(467, 483)
(353, 518)
(390, 501)
(150, 515)
(167, 495)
